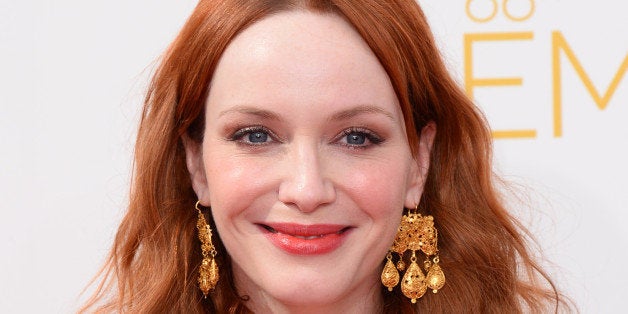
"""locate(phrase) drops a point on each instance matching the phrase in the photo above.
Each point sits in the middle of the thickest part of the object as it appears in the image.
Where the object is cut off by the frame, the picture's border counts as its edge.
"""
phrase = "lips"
(305, 239)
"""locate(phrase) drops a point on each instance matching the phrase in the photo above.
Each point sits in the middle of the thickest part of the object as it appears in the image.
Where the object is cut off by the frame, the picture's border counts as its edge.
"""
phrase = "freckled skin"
(303, 126)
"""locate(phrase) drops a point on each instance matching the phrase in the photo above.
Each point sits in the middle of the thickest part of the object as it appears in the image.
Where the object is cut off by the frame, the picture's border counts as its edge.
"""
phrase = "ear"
(420, 165)
(194, 162)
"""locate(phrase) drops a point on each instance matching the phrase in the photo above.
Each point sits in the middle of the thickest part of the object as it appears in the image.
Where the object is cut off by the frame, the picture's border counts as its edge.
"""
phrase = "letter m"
(559, 43)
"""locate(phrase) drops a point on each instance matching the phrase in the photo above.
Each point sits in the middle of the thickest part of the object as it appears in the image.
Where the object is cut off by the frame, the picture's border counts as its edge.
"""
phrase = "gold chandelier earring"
(208, 271)
(415, 233)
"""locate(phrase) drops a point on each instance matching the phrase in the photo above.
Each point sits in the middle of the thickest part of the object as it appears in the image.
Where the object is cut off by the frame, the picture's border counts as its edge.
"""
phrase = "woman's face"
(305, 161)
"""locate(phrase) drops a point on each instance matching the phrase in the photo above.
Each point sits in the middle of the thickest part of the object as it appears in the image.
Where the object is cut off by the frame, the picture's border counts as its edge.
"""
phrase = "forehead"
(301, 58)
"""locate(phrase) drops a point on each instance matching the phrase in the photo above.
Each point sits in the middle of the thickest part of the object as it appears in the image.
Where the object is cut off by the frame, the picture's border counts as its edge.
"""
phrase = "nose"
(305, 185)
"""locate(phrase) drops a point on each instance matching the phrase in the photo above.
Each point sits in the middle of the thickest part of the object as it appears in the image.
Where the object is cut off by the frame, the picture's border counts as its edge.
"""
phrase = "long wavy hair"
(153, 264)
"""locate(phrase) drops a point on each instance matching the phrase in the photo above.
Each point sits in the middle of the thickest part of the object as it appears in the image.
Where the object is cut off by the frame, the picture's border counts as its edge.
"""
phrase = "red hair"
(153, 264)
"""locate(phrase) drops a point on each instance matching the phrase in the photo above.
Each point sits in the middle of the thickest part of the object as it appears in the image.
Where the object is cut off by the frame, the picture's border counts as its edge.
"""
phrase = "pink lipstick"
(305, 239)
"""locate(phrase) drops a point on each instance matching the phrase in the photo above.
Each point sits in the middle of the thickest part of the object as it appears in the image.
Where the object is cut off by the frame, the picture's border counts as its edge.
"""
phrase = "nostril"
(306, 193)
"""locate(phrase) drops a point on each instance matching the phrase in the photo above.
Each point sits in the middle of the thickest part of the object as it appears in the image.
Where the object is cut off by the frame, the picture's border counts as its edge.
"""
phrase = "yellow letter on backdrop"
(558, 43)
(471, 82)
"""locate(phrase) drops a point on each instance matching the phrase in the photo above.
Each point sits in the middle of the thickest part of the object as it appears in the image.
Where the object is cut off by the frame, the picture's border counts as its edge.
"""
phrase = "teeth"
(309, 237)
(271, 229)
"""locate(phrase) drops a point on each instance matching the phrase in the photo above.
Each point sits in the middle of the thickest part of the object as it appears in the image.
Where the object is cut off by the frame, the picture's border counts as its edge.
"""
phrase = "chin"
(303, 294)
(304, 286)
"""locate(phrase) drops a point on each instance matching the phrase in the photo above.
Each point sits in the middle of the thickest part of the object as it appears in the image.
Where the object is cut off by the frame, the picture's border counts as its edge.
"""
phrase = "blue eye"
(356, 138)
(253, 135)
(359, 138)
(258, 137)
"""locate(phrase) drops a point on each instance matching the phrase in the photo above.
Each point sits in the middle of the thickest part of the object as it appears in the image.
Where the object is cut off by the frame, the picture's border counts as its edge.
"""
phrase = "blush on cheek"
(379, 193)
(236, 183)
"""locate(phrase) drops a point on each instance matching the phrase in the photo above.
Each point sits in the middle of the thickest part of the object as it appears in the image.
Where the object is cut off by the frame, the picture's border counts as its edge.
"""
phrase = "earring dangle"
(415, 233)
(208, 271)
(390, 276)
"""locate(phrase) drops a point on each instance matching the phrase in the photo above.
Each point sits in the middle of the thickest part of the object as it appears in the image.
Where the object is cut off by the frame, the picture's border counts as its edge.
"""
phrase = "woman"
(301, 130)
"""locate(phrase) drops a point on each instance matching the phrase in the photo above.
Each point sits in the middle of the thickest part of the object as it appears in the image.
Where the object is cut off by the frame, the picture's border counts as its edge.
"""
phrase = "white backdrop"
(72, 74)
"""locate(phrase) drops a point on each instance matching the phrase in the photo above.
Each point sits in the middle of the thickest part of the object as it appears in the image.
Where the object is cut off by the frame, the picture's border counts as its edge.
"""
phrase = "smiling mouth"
(300, 239)
(306, 232)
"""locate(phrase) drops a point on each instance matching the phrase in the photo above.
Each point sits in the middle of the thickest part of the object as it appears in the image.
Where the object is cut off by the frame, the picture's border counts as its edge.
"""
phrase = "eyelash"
(239, 134)
(370, 136)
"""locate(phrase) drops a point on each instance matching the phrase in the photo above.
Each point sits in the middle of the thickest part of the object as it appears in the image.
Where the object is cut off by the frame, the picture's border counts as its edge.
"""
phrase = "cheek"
(235, 183)
(377, 186)
(379, 192)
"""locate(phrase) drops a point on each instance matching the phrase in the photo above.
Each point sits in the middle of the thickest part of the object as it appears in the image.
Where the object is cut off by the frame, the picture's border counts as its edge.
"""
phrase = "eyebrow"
(265, 114)
(338, 116)
(359, 110)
